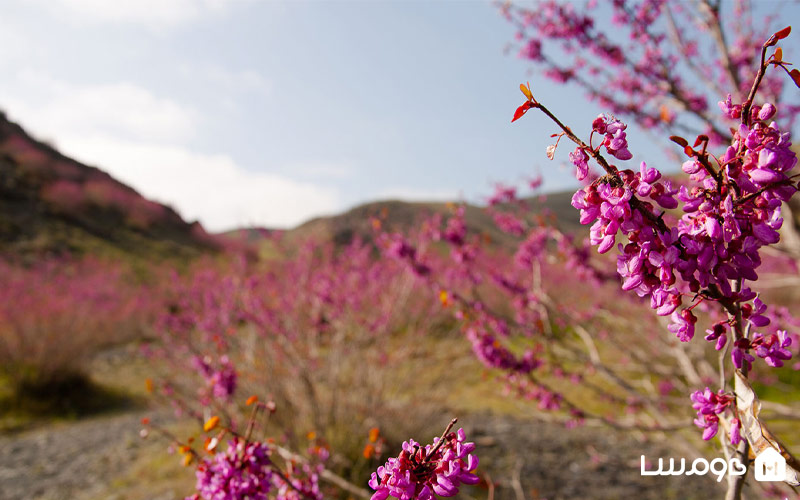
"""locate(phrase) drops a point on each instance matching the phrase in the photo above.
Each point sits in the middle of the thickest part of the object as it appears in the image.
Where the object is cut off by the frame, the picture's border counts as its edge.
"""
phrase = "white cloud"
(17, 44)
(416, 194)
(150, 13)
(53, 106)
(230, 81)
(322, 170)
(141, 139)
(210, 188)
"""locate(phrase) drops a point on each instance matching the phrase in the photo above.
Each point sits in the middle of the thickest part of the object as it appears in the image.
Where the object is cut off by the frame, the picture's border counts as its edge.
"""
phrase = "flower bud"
(766, 112)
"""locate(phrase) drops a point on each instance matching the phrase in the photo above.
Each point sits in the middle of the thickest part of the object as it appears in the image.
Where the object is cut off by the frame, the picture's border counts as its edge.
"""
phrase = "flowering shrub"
(56, 313)
(65, 196)
(304, 330)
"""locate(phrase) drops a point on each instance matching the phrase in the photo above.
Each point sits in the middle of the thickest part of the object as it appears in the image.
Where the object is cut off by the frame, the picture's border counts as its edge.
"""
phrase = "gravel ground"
(532, 459)
(52, 463)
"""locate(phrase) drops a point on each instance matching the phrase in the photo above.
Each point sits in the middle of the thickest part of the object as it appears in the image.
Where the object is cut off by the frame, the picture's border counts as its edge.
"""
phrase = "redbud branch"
(745, 199)
(252, 421)
(723, 355)
(613, 176)
(702, 159)
(174, 439)
(762, 70)
(608, 421)
(719, 37)
(444, 435)
(676, 39)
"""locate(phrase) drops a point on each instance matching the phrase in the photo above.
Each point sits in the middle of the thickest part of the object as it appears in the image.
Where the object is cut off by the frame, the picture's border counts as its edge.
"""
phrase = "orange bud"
(187, 459)
(664, 114)
(148, 385)
(311, 435)
(369, 451)
(251, 400)
(211, 423)
(145, 421)
(526, 90)
(211, 445)
(374, 434)
(443, 298)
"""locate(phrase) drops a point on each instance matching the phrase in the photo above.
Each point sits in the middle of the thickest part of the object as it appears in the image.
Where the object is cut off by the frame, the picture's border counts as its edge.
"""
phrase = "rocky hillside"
(52, 204)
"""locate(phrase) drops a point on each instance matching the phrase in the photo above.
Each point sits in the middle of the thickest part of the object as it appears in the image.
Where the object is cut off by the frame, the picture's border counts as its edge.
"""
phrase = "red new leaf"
(778, 36)
(795, 73)
(680, 141)
(521, 111)
(783, 33)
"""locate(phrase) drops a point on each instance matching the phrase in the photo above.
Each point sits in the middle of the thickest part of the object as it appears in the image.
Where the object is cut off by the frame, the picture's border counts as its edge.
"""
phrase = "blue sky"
(264, 113)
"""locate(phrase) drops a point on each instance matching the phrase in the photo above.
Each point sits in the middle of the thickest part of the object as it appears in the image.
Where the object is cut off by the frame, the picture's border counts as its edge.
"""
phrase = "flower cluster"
(709, 406)
(494, 355)
(731, 212)
(221, 380)
(422, 472)
(242, 471)
(615, 140)
(771, 348)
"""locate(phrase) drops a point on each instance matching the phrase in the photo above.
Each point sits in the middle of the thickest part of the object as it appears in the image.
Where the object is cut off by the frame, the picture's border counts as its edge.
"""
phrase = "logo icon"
(770, 466)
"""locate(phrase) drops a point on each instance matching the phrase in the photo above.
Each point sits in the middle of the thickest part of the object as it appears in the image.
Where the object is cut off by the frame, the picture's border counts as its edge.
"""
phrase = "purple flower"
(732, 111)
(773, 348)
(718, 333)
(739, 355)
(683, 325)
(580, 159)
(423, 472)
(709, 406)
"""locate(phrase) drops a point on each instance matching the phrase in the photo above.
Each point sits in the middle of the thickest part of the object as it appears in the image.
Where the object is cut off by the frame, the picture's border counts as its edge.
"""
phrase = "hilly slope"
(52, 204)
(399, 216)
(402, 216)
